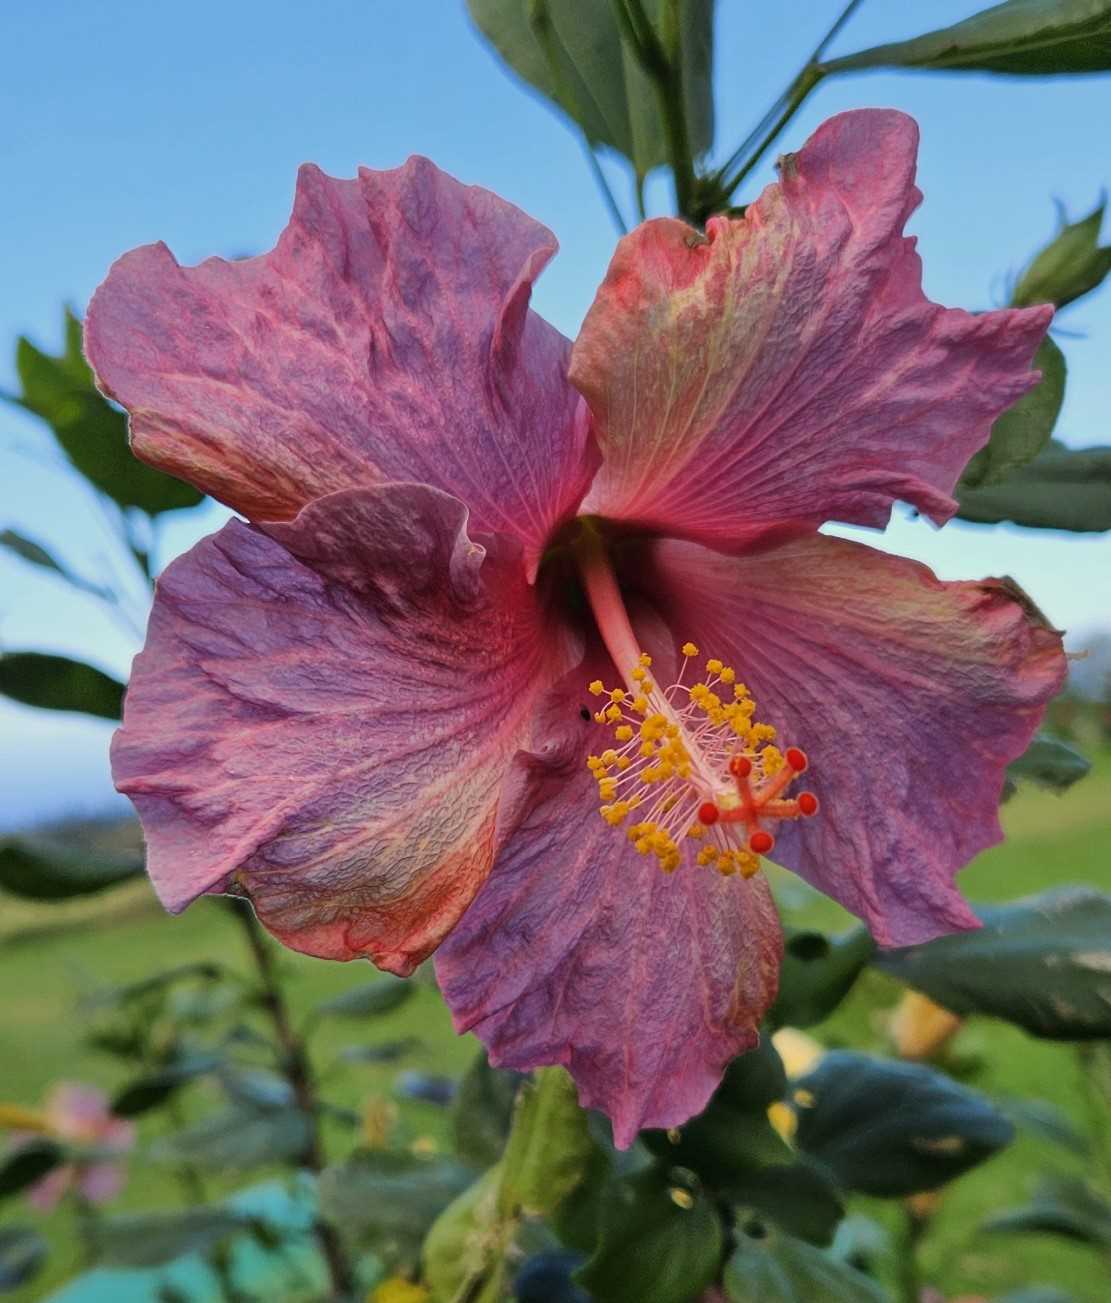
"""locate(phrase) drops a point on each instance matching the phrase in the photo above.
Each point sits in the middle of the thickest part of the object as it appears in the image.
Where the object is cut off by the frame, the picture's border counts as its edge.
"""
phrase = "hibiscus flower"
(527, 651)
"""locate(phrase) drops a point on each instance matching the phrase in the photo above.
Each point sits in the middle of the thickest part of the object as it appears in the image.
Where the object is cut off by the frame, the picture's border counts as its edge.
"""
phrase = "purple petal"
(787, 369)
(386, 337)
(323, 715)
(580, 951)
(909, 695)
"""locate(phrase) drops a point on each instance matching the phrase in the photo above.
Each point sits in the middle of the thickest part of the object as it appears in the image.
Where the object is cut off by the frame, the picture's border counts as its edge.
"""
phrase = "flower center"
(691, 768)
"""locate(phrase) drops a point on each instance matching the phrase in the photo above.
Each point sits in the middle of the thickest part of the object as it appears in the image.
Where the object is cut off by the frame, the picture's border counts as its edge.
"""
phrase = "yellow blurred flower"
(379, 1119)
(399, 1290)
(919, 1028)
(800, 1053)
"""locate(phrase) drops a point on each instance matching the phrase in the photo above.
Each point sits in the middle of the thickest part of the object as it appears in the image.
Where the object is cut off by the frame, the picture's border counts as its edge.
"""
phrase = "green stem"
(909, 1279)
(603, 186)
(297, 1070)
(1095, 1068)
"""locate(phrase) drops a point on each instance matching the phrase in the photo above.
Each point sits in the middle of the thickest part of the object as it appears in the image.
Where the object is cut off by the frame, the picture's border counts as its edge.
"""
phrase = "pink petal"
(908, 695)
(46, 1194)
(101, 1182)
(787, 369)
(322, 718)
(386, 337)
(77, 1111)
(580, 951)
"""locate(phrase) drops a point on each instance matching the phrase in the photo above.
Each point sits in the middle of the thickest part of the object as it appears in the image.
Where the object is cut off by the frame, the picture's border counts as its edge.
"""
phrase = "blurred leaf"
(152, 1239)
(799, 1197)
(91, 432)
(382, 1052)
(483, 1111)
(22, 1254)
(464, 1252)
(1061, 488)
(1042, 963)
(1045, 1121)
(660, 1238)
(154, 1089)
(549, 1278)
(732, 1137)
(239, 1138)
(38, 869)
(1072, 264)
(863, 1243)
(1022, 37)
(595, 79)
(1050, 763)
(432, 1088)
(380, 996)
(116, 996)
(36, 555)
(387, 1201)
(257, 1087)
(29, 1163)
(1024, 429)
(1036, 1294)
(59, 683)
(549, 1145)
(1062, 1206)
(769, 1266)
(817, 973)
(891, 1129)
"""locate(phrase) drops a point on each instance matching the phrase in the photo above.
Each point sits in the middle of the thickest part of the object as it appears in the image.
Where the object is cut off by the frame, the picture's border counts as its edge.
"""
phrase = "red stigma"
(740, 766)
(708, 813)
(796, 758)
(808, 803)
(761, 842)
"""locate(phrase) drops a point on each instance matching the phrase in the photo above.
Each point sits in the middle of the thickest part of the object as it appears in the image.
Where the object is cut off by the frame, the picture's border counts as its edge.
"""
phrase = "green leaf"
(116, 996)
(35, 554)
(155, 1088)
(380, 996)
(1061, 488)
(483, 1111)
(91, 432)
(1050, 763)
(153, 1239)
(799, 1197)
(37, 868)
(239, 1138)
(817, 973)
(28, 1164)
(466, 1247)
(573, 54)
(1020, 37)
(769, 1266)
(549, 1145)
(1023, 430)
(660, 1238)
(1063, 1206)
(1036, 1294)
(387, 1201)
(1071, 265)
(58, 683)
(1042, 963)
(22, 1254)
(891, 1129)
(1046, 1121)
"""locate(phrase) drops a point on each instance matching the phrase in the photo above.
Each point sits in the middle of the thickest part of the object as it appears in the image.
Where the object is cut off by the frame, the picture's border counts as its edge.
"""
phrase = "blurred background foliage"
(935, 1119)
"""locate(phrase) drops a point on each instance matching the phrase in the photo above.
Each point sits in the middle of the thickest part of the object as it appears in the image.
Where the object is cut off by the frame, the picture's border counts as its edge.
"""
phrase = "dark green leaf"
(38, 869)
(27, 1164)
(59, 683)
(1046, 1121)
(22, 1253)
(239, 1138)
(1062, 1206)
(91, 432)
(892, 1129)
(1023, 430)
(432, 1088)
(1049, 762)
(572, 52)
(1060, 489)
(1043, 963)
(660, 1238)
(382, 1052)
(115, 996)
(382, 995)
(483, 1111)
(387, 1201)
(154, 1089)
(35, 554)
(817, 973)
(1036, 1294)
(1022, 37)
(1072, 264)
(799, 1197)
(769, 1266)
(152, 1239)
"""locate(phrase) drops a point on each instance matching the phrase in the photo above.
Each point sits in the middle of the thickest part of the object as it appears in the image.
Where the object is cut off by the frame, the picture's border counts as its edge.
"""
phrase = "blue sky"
(131, 122)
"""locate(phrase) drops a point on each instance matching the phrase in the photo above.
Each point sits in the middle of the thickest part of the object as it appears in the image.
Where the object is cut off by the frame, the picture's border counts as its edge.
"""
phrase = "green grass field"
(51, 958)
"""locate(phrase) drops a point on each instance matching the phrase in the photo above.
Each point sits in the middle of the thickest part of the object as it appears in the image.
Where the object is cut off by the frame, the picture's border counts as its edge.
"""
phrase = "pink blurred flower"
(79, 1115)
(368, 709)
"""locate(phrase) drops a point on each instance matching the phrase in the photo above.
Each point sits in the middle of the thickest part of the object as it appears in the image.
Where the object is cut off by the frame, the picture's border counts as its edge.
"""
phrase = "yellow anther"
(640, 704)
(728, 674)
(623, 762)
(609, 757)
(639, 674)
(689, 649)
(596, 688)
(623, 732)
(714, 666)
(763, 733)
(706, 855)
(645, 659)
(599, 717)
(607, 788)
(696, 830)
(617, 694)
(613, 714)
(772, 759)
(740, 691)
